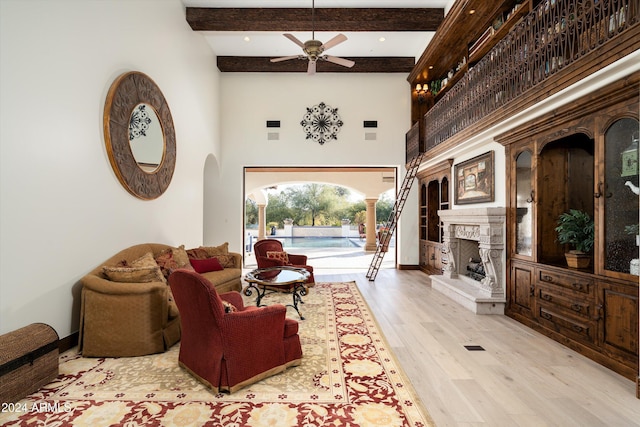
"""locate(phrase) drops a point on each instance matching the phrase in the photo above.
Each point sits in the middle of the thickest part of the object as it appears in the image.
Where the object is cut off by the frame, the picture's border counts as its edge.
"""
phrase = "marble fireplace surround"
(486, 226)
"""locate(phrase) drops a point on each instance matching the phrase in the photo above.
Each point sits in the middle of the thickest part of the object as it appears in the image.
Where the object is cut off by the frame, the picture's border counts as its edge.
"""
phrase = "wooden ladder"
(392, 222)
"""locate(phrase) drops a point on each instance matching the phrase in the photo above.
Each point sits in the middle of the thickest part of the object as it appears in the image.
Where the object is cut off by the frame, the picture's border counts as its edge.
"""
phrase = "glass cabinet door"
(524, 204)
(620, 192)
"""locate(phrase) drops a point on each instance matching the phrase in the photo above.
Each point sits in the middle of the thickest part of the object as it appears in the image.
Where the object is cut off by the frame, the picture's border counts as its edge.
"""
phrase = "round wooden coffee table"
(278, 279)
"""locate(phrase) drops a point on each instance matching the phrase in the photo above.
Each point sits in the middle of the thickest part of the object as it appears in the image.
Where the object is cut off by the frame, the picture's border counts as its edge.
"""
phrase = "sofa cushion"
(206, 265)
(223, 276)
(280, 256)
(133, 274)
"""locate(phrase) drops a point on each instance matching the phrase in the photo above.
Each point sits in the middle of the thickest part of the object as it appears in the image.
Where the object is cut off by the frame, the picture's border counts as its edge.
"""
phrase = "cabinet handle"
(599, 312)
(578, 286)
(547, 278)
(545, 315)
(532, 290)
(532, 197)
(577, 328)
(576, 307)
(547, 297)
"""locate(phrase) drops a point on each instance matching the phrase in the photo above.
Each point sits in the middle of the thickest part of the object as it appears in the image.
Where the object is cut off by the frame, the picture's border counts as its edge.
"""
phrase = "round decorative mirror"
(139, 135)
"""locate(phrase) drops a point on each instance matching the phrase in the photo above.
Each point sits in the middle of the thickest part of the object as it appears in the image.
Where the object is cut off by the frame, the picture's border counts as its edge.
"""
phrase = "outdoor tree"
(310, 199)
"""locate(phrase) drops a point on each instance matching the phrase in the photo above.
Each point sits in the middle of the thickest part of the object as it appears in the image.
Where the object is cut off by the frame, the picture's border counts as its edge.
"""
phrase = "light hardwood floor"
(521, 379)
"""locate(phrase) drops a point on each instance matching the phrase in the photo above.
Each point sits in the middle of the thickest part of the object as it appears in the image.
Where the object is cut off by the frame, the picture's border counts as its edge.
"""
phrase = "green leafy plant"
(576, 228)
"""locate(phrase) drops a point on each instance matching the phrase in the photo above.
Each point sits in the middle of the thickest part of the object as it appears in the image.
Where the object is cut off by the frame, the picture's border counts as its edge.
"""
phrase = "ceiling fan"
(314, 49)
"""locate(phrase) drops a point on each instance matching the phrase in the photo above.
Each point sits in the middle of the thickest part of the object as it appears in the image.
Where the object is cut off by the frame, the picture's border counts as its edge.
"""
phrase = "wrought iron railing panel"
(550, 38)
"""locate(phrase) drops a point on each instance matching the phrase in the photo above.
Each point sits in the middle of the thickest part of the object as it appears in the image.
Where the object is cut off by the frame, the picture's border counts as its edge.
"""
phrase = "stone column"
(261, 221)
(370, 243)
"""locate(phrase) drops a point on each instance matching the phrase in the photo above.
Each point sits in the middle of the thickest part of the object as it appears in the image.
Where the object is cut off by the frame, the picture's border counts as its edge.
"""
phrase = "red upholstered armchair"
(267, 251)
(226, 345)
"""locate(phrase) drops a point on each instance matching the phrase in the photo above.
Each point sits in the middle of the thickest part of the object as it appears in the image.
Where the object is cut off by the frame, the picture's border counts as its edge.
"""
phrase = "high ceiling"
(382, 35)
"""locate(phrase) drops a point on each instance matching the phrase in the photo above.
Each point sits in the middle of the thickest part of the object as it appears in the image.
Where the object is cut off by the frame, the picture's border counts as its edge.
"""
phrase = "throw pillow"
(206, 265)
(166, 262)
(223, 249)
(147, 261)
(197, 253)
(280, 256)
(181, 257)
(228, 307)
(227, 261)
(132, 274)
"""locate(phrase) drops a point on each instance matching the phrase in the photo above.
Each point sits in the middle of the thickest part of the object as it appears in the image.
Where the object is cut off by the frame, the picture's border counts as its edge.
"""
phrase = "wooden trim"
(407, 267)
(263, 64)
(326, 19)
(67, 343)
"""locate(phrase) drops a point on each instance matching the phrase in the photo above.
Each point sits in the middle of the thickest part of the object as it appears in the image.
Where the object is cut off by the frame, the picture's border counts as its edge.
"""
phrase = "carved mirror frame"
(127, 92)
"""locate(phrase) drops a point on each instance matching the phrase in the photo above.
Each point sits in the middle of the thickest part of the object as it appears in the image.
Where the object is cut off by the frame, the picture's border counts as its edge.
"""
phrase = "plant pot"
(576, 259)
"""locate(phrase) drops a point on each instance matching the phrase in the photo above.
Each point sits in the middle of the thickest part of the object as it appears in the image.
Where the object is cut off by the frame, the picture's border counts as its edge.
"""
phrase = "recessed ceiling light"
(472, 11)
(247, 38)
(381, 39)
(431, 67)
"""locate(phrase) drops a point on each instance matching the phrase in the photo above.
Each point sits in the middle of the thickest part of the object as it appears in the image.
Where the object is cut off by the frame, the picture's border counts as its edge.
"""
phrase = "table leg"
(298, 290)
(248, 291)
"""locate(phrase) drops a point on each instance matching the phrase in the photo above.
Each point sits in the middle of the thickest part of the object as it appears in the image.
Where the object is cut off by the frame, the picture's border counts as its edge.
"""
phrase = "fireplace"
(474, 240)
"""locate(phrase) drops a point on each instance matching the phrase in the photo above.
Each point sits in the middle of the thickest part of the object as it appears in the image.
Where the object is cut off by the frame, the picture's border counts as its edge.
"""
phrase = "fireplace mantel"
(485, 226)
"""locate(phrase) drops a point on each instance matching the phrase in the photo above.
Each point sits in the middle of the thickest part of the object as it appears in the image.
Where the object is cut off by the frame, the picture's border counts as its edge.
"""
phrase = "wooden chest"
(28, 360)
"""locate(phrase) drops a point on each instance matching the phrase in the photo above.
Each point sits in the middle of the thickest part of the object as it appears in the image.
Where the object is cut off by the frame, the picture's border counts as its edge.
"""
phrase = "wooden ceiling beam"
(326, 19)
(243, 64)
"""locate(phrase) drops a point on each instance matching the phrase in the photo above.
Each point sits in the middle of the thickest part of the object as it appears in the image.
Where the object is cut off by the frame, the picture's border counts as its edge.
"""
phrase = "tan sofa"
(135, 318)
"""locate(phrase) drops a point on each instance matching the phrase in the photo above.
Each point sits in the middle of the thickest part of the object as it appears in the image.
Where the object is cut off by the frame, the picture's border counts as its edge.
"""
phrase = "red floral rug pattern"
(349, 377)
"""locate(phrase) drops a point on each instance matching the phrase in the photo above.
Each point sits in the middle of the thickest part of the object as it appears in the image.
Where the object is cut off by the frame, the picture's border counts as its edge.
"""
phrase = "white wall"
(250, 99)
(62, 209)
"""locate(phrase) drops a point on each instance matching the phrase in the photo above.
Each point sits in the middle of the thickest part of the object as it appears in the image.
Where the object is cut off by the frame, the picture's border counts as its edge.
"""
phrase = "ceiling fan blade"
(284, 58)
(294, 39)
(311, 69)
(334, 41)
(340, 61)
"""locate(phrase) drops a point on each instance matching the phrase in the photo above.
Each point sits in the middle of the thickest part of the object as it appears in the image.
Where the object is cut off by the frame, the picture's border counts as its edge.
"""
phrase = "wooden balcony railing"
(552, 37)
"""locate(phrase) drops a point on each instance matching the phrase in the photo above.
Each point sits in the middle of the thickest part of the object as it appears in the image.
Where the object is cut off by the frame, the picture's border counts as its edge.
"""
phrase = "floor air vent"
(474, 347)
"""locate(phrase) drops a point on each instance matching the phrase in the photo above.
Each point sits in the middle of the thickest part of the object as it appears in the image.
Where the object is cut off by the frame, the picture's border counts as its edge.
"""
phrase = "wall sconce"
(421, 91)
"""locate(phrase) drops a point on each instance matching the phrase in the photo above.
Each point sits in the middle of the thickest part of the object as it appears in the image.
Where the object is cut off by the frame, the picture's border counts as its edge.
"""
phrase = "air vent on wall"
(273, 123)
(371, 123)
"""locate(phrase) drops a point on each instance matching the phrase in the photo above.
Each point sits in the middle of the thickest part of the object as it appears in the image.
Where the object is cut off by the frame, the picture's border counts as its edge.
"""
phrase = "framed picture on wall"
(475, 180)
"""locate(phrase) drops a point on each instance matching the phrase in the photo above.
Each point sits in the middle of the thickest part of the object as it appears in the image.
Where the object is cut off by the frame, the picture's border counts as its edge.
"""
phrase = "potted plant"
(576, 228)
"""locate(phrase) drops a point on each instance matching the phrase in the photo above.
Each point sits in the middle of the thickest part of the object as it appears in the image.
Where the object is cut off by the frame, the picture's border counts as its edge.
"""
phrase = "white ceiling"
(274, 44)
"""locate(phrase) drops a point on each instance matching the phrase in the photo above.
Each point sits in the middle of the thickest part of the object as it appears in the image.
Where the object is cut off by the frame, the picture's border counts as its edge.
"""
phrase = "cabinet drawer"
(560, 321)
(575, 303)
(569, 282)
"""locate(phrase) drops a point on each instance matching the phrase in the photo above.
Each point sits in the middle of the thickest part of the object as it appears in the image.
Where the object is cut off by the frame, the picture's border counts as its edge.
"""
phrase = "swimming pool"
(317, 242)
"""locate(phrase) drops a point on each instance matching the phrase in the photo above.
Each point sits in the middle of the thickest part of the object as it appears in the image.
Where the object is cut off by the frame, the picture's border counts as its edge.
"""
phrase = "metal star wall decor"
(321, 123)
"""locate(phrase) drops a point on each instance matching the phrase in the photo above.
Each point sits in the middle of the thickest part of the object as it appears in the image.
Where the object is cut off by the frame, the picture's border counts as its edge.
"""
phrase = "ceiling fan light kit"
(314, 49)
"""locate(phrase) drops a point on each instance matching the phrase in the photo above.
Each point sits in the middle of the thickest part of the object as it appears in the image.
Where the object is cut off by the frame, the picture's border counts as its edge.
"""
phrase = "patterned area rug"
(348, 377)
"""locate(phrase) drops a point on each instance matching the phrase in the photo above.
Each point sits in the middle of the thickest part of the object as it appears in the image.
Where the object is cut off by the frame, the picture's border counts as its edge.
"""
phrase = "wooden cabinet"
(583, 158)
(434, 196)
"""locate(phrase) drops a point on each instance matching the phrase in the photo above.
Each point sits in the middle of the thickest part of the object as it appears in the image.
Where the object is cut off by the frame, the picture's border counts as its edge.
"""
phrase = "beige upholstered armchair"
(126, 319)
